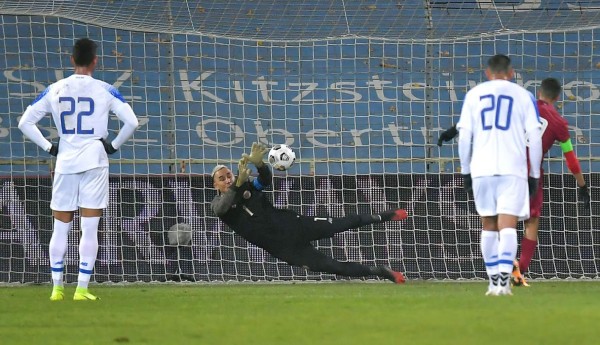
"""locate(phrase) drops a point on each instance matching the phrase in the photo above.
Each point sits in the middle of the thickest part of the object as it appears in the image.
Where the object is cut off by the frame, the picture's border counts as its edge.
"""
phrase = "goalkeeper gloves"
(243, 172)
(256, 154)
(54, 149)
(584, 196)
(108, 147)
(447, 135)
(468, 183)
(533, 186)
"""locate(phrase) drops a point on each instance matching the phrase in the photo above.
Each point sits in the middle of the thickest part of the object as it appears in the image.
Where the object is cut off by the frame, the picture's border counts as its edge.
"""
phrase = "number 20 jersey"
(80, 108)
(499, 114)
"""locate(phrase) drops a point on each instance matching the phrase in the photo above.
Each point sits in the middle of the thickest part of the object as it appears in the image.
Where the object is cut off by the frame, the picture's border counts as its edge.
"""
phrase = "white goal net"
(359, 89)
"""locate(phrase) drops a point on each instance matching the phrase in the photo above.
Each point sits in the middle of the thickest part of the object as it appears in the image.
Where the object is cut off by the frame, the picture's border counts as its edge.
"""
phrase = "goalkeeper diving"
(241, 204)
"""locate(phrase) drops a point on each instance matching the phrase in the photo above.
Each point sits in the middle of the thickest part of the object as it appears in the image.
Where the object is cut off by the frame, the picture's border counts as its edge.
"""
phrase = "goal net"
(359, 89)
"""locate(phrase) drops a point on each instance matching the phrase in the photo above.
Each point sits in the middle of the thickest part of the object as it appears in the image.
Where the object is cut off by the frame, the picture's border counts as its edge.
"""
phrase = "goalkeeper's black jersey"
(249, 212)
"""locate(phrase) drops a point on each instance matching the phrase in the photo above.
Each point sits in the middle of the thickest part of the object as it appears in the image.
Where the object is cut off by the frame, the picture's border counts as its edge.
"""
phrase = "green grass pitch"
(305, 313)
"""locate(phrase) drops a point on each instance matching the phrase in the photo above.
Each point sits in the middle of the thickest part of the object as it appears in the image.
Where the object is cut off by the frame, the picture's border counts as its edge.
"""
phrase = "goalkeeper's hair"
(84, 52)
(499, 63)
(550, 88)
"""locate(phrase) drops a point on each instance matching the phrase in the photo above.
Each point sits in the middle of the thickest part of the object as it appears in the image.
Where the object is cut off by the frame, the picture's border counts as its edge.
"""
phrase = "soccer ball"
(281, 157)
(180, 234)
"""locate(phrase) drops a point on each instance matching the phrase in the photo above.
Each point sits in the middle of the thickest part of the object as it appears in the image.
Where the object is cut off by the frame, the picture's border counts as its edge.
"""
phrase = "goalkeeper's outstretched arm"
(256, 157)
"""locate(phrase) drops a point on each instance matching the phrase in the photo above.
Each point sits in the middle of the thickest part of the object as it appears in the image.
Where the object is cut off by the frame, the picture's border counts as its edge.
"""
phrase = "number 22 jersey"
(80, 107)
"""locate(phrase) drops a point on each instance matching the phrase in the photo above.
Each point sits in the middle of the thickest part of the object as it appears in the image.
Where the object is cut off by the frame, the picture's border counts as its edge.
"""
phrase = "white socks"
(58, 249)
(489, 251)
(499, 250)
(88, 249)
(507, 249)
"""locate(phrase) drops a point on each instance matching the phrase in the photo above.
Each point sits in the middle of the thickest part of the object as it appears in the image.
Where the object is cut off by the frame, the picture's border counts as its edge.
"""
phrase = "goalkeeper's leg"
(314, 260)
(316, 228)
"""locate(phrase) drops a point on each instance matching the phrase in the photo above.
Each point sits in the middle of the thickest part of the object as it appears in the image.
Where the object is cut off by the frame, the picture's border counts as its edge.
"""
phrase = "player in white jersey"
(80, 107)
(499, 123)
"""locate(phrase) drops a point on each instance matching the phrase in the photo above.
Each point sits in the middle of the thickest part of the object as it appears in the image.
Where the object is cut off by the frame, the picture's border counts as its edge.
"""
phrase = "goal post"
(360, 91)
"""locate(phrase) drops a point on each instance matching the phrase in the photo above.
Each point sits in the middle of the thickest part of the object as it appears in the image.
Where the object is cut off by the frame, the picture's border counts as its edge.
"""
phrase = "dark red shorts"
(535, 204)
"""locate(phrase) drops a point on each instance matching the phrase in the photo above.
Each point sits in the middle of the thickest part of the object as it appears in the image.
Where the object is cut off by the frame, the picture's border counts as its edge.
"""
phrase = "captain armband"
(572, 161)
(566, 146)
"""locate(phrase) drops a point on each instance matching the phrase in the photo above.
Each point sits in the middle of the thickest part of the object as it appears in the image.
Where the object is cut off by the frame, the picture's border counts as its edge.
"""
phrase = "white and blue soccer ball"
(281, 157)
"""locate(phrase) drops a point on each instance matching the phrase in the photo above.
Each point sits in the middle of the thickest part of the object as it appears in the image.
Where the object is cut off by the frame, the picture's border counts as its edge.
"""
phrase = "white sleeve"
(465, 139)
(465, 120)
(533, 127)
(125, 113)
(33, 114)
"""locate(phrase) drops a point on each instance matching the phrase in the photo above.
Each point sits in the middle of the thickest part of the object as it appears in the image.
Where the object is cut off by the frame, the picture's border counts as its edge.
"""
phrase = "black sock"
(381, 272)
(367, 219)
(386, 216)
(503, 281)
(378, 218)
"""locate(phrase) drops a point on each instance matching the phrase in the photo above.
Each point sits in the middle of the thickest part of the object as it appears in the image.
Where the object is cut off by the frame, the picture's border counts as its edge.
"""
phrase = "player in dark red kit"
(554, 129)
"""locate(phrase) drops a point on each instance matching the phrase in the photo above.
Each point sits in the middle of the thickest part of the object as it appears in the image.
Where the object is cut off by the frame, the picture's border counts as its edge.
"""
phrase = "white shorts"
(506, 194)
(88, 189)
